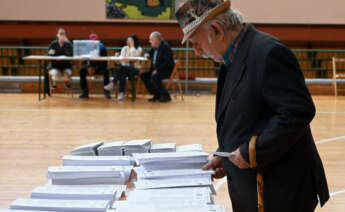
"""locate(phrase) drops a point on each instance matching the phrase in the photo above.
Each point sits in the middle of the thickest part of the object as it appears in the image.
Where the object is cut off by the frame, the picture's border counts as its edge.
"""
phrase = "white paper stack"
(174, 183)
(137, 146)
(189, 148)
(87, 150)
(71, 160)
(12, 210)
(86, 175)
(74, 193)
(125, 206)
(111, 149)
(60, 205)
(167, 147)
(173, 173)
(173, 160)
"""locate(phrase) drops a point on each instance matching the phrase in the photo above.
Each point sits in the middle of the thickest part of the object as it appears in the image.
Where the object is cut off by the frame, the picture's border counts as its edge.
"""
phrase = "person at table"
(127, 69)
(60, 47)
(162, 65)
(92, 68)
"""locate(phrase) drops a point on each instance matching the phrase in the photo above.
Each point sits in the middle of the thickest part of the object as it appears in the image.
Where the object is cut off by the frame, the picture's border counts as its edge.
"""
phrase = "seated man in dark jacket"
(94, 67)
(60, 47)
(162, 64)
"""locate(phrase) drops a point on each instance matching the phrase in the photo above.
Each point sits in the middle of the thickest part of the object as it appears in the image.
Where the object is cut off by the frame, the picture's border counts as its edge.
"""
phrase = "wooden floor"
(35, 135)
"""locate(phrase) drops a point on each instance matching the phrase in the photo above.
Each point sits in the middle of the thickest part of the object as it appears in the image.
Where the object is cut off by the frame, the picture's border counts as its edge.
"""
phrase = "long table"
(41, 59)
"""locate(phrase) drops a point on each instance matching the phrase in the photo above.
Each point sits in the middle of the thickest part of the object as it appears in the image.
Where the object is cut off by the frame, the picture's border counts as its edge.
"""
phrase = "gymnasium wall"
(262, 12)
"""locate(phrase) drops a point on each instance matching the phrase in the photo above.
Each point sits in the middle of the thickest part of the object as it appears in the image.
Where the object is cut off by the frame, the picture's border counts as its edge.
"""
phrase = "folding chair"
(173, 80)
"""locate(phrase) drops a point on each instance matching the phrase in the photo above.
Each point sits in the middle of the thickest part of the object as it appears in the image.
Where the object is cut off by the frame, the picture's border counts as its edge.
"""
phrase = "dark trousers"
(154, 84)
(84, 72)
(123, 73)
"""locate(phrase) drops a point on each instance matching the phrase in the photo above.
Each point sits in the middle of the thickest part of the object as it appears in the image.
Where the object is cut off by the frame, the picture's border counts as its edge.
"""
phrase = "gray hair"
(158, 35)
(229, 19)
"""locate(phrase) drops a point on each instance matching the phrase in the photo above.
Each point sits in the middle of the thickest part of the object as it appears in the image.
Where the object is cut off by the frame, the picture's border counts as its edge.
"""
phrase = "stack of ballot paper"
(125, 206)
(111, 149)
(81, 175)
(167, 147)
(145, 184)
(87, 150)
(13, 210)
(51, 191)
(60, 205)
(71, 160)
(173, 160)
(137, 146)
(173, 173)
(189, 148)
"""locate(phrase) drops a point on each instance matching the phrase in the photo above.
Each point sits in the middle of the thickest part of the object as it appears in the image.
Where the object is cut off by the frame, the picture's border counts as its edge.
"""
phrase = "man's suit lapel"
(235, 72)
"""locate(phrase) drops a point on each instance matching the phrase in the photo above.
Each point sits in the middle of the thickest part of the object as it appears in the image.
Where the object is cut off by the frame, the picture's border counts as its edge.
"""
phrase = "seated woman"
(127, 68)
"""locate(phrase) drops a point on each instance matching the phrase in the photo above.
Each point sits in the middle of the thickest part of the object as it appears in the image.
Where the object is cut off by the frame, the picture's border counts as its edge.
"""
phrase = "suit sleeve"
(166, 63)
(69, 49)
(285, 93)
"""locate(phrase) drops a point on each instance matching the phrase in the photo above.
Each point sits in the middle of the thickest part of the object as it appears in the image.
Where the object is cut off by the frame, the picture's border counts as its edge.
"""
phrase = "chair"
(91, 80)
(174, 78)
(335, 75)
(51, 89)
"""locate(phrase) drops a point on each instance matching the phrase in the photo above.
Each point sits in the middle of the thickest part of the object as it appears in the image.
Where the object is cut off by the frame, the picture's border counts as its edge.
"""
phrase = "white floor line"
(330, 139)
(220, 183)
(338, 192)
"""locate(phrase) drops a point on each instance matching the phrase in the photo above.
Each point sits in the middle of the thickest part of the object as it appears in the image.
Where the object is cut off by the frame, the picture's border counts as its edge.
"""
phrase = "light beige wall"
(263, 11)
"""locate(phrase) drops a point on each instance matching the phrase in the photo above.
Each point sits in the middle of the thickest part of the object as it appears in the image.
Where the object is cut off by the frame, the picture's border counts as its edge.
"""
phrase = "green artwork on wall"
(140, 9)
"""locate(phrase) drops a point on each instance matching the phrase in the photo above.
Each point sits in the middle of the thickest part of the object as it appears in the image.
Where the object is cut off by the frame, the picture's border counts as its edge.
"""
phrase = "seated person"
(127, 68)
(60, 47)
(94, 67)
(162, 65)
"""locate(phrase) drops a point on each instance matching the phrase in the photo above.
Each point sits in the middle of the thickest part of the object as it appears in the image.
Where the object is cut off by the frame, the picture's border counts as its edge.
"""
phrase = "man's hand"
(51, 52)
(217, 165)
(154, 72)
(237, 159)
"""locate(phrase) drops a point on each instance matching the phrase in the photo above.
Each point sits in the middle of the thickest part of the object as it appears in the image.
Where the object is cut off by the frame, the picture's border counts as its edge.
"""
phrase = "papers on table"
(60, 205)
(76, 193)
(71, 160)
(174, 160)
(189, 148)
(87, 150)
(174, 173)
(174, 183)
(67, 175)
(137, 146)
(167, 147)
(111, 149)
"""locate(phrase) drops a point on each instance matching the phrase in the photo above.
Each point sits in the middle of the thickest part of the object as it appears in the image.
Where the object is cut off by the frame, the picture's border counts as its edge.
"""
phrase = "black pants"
(84, 72)
(154, 84)
(123, 73)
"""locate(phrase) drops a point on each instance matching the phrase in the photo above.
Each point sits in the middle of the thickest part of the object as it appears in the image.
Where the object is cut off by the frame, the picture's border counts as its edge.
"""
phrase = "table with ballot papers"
(125, 176)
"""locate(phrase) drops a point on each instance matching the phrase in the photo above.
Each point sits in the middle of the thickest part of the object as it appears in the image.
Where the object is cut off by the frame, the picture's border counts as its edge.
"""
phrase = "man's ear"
(218, 31)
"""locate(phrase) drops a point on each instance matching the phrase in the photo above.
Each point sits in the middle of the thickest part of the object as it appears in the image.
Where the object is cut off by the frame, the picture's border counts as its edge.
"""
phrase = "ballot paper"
(71, 160)
(120, 189)
(174, 173)
(137, 146)
(87, 150)
(74, 193)
(10, 210)
(167, 147)
(173, 160)
(174, 183)
(189, 148)
(66, 175)
(199, 195)
(124, 206)
(60, 205)
(111, 149)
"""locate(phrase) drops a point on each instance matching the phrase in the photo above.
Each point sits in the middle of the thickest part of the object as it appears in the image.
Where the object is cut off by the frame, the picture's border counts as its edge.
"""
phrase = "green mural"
(138, 9)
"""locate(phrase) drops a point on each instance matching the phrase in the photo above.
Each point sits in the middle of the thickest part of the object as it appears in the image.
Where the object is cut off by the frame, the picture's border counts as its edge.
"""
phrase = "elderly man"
(162, 64)
(263, 112)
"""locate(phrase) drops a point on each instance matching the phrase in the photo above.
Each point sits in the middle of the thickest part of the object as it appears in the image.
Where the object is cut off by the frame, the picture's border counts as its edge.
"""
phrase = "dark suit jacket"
(263, 94)
(66, 50)
(165, 59)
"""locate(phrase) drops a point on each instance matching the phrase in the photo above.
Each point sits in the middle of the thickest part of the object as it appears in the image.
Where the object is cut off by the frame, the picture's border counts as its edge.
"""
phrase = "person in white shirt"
(127, 69)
